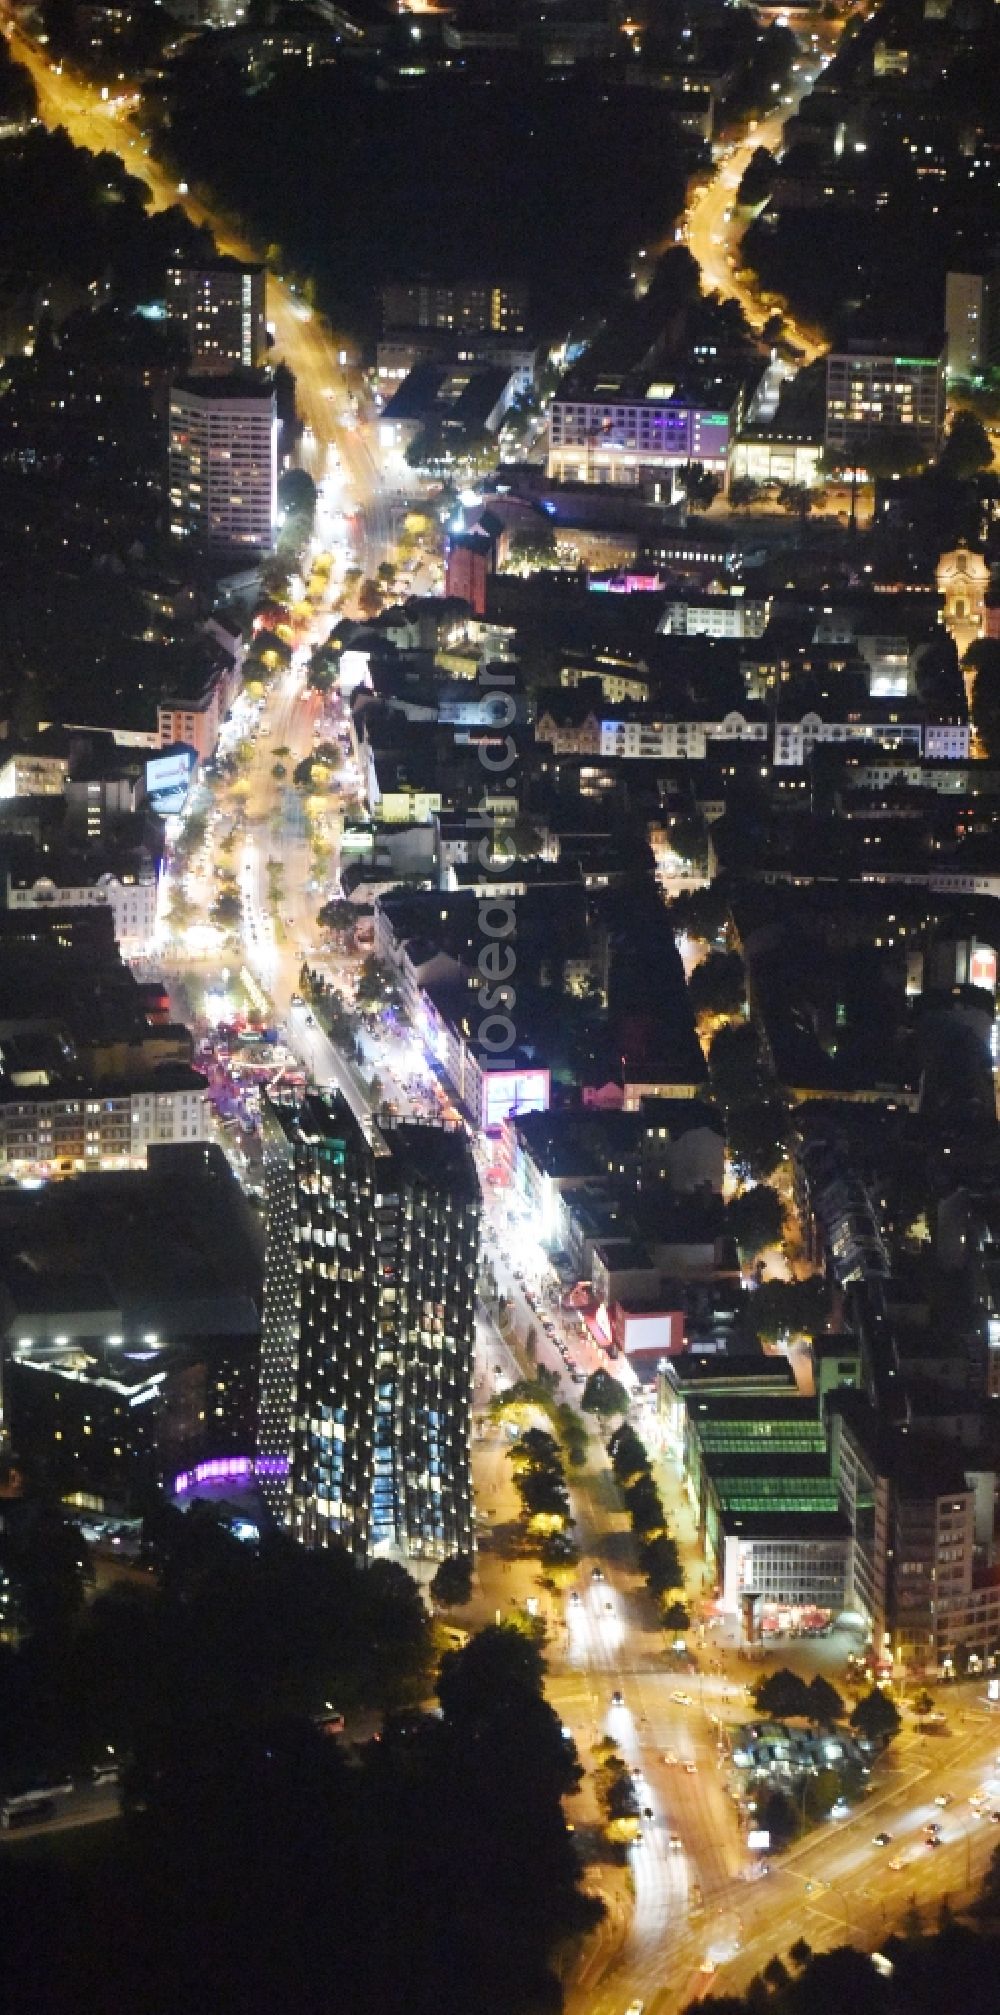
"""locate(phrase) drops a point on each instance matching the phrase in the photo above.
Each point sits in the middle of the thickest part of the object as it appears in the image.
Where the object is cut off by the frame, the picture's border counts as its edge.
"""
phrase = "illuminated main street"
(712, 228)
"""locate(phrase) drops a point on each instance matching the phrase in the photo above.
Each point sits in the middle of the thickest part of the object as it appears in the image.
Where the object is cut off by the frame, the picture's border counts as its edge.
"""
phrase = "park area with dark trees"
(259, 1863)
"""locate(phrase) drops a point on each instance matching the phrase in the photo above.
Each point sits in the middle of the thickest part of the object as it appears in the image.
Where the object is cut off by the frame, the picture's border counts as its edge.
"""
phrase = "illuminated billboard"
(513, 1091)
(641, 1332)
(353, 671)
(168, 778)
(983, 968)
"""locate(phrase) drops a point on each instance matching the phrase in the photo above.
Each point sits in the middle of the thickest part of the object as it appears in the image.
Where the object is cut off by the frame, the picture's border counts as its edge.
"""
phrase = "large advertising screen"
(639, 1332)
(514, 1091)
(168, 779)
(983, 968)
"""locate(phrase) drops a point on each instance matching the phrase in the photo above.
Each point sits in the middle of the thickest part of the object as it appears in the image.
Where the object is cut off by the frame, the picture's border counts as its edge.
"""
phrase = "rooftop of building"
(666, 1217)
(63, 968)
(799, 1526)
(678, 1116)
(736, 1408)
(921, 1465)
(449, 920)
(176, 1242)
(691, 1372)
(222, 263)
(126, 1375)
(685, 386)
(65, 865)
(530, 873)
(229, 385)
(28, 1075)
(576, 1143)
(924, 347)
(420, 1152)
(623, 1255)
(432, 1156)
(450, 391)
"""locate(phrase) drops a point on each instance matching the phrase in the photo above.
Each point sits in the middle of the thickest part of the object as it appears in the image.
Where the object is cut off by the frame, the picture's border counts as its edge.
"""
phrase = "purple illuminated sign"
(229, 1469)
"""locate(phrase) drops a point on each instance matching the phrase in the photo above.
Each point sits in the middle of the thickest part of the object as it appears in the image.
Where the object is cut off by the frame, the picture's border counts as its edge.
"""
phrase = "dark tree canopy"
(755, 1219)
(755, 1136)
(604, 1395)
(452, 1582)
(718, 984)
(734, 1063)
(967, 448)
(876, 1717)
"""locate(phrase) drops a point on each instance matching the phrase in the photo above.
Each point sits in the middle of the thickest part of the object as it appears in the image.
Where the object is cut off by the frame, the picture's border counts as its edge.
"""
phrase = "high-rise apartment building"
(970, 311)
(221, 309)
(874, 393)
(369, 1331)
(223, 461)
(501, 305)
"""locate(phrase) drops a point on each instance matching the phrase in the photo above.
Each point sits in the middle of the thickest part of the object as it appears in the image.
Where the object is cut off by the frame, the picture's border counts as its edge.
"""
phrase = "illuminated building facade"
(872, 394)
(74, 1125)
(970, 315)
(220, 308)
(500, 305)
(223, 461)
(369, 1331)
(612, 432)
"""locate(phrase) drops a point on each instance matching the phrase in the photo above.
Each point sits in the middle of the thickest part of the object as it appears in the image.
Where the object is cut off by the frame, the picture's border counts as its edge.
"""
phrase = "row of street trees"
(788, 1697)
(539, 1461)
(928, 1970)
(540, 1482)
(659, 1557)
(332, 1011)
(755, 1120)
(614, 1785)
(542, 1393)
(756, 1126)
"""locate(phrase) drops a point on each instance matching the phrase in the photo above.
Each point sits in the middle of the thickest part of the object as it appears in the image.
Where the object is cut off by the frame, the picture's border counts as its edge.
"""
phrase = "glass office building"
(369, 1331)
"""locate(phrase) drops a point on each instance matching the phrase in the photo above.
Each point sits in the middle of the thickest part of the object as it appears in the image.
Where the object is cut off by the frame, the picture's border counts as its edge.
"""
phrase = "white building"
(46, 1132)
(132, 897)
(28, 775)
(790, 1562)
(672, 741)
(223, 462)
(771, 458)
(625, 438)
(946, 741)
(732, 615)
